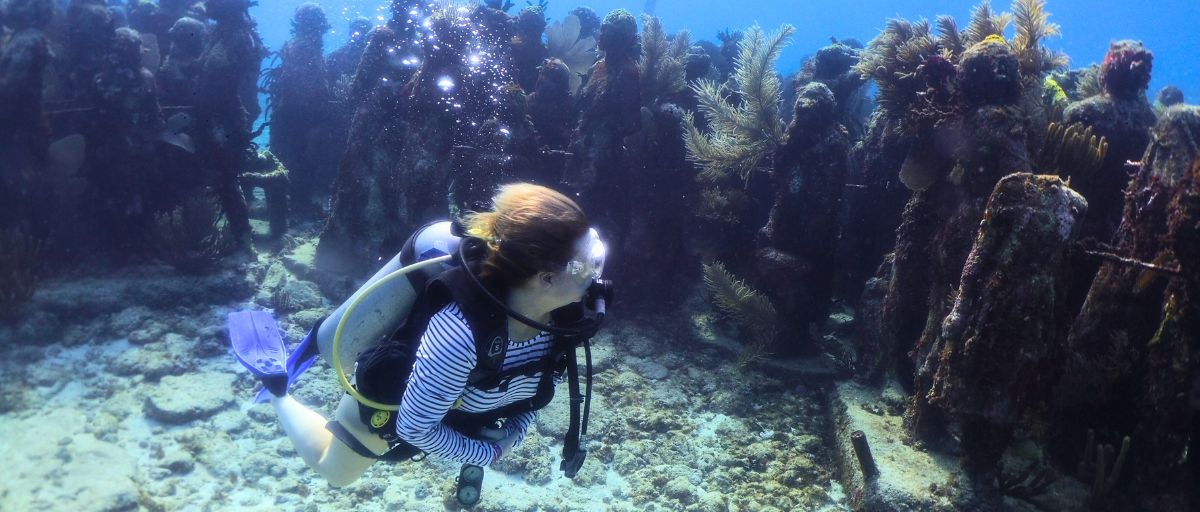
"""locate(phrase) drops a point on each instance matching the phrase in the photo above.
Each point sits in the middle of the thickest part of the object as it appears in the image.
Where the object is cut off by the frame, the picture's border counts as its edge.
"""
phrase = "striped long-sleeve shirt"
(444, 359)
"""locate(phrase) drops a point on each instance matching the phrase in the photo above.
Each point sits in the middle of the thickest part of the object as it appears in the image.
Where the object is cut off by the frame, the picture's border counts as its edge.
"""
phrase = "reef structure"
(1009, 302)
(1134, 367)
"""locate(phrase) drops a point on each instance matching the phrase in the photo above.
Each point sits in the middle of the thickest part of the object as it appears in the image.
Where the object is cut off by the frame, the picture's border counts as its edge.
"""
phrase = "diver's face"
(562, 288)
(570, 284)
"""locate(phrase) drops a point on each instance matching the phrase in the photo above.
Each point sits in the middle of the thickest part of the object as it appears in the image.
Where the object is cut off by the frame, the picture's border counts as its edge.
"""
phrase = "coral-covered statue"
(24, 134)
(226, 105)
(1122, 115)
(300, 111)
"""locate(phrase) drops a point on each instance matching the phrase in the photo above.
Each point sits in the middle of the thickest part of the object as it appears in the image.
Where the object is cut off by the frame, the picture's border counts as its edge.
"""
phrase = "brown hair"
(530, 229)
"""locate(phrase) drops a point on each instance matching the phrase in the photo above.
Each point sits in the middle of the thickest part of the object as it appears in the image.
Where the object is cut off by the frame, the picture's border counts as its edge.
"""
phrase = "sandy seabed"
(119, 393)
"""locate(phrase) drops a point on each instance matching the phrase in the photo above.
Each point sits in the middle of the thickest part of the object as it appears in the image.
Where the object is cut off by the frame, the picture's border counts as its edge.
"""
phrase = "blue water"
(1167, 27)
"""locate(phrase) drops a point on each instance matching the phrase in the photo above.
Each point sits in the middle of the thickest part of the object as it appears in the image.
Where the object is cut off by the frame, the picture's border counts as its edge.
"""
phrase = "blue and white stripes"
(444, 359)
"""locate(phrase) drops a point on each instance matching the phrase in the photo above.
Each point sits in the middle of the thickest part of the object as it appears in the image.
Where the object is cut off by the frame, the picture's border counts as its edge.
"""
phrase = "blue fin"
(297, 362)
(257, 343)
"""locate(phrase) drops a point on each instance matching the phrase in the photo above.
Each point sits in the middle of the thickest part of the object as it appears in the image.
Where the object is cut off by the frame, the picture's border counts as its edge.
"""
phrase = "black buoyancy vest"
(382, 370)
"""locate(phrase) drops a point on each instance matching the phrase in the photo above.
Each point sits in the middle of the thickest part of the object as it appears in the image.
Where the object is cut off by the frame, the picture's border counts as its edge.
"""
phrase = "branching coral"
(949, 38)
(984, 23)
(1033, 25)
(893, 59)
(18, 256)
(747, 306)
(662, 61)
(1072, 151)
(564, 42)
(743, 135)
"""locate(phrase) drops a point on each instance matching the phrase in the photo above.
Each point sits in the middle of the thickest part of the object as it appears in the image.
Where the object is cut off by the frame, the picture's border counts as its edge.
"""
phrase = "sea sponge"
(1125, 73)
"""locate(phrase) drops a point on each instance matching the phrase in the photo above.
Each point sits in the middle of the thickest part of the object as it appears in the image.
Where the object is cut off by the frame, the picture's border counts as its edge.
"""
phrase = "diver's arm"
(444, 359)
(519, 425)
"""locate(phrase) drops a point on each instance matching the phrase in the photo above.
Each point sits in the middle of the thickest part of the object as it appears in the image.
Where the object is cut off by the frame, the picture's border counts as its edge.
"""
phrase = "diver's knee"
(339, 481)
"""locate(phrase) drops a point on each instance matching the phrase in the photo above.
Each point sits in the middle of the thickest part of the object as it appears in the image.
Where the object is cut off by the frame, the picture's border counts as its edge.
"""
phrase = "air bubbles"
(446, 84)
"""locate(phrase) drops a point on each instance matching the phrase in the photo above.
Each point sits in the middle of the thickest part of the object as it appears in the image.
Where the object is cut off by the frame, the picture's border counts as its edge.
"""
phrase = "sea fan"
(563, 43)
(742, 135)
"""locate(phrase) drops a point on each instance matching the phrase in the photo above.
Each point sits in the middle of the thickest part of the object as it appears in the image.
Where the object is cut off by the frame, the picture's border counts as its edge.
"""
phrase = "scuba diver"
(476, 331)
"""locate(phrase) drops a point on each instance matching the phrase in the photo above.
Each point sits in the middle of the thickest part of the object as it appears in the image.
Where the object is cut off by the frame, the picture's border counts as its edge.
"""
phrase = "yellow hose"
(337, 334)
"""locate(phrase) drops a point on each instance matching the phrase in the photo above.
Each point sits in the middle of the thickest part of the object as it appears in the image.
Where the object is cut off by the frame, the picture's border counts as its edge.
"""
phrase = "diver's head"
(538, 239)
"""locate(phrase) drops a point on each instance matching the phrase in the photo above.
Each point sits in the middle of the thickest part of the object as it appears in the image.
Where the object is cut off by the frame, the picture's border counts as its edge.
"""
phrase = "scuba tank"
(384, 302)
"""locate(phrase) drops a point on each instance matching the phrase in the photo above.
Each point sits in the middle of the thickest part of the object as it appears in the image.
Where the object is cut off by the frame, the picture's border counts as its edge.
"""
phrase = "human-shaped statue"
(226, 105)
(121, 163)
(181, 68)
(24, 135)
(299, 106)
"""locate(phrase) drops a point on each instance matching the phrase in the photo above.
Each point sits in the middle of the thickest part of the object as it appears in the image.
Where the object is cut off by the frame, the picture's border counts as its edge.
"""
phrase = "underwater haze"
(654, 255)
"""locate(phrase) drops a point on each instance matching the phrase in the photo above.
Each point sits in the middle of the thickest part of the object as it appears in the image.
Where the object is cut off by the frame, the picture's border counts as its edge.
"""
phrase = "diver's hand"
(501, 439)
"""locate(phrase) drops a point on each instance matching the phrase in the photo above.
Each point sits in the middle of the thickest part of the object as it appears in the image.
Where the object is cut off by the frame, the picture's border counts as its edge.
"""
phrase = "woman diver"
(486, 341)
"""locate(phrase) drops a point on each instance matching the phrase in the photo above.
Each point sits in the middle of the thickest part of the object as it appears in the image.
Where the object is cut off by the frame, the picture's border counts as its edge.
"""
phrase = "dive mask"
(590, 252)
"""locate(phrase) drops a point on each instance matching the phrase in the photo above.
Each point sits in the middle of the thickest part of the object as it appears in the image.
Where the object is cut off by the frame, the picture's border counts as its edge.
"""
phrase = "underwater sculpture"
(551, 106)
(24, 133)
(374, 140)
(181, 68)
(611, 107)
(528, 51)
(1011, 299)
(1134, 368)
(122, 164)
(1123, 116)
(795, 259)
(343, 62)
(966, 107)
(658, 194)
(229, 68)
(413, 112)
(90, 28)
(300, 112)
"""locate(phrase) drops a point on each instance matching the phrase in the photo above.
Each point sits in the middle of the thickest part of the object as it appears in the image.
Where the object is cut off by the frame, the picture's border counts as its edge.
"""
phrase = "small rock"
(183, 399)
(231, 422)
(179, 462)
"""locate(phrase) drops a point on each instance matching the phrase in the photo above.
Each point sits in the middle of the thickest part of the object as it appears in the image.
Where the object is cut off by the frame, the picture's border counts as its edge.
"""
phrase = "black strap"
(572, 453)
(396, 453)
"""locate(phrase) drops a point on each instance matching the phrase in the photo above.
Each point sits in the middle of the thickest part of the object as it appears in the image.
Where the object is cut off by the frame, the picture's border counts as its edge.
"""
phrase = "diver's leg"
(331, 459)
